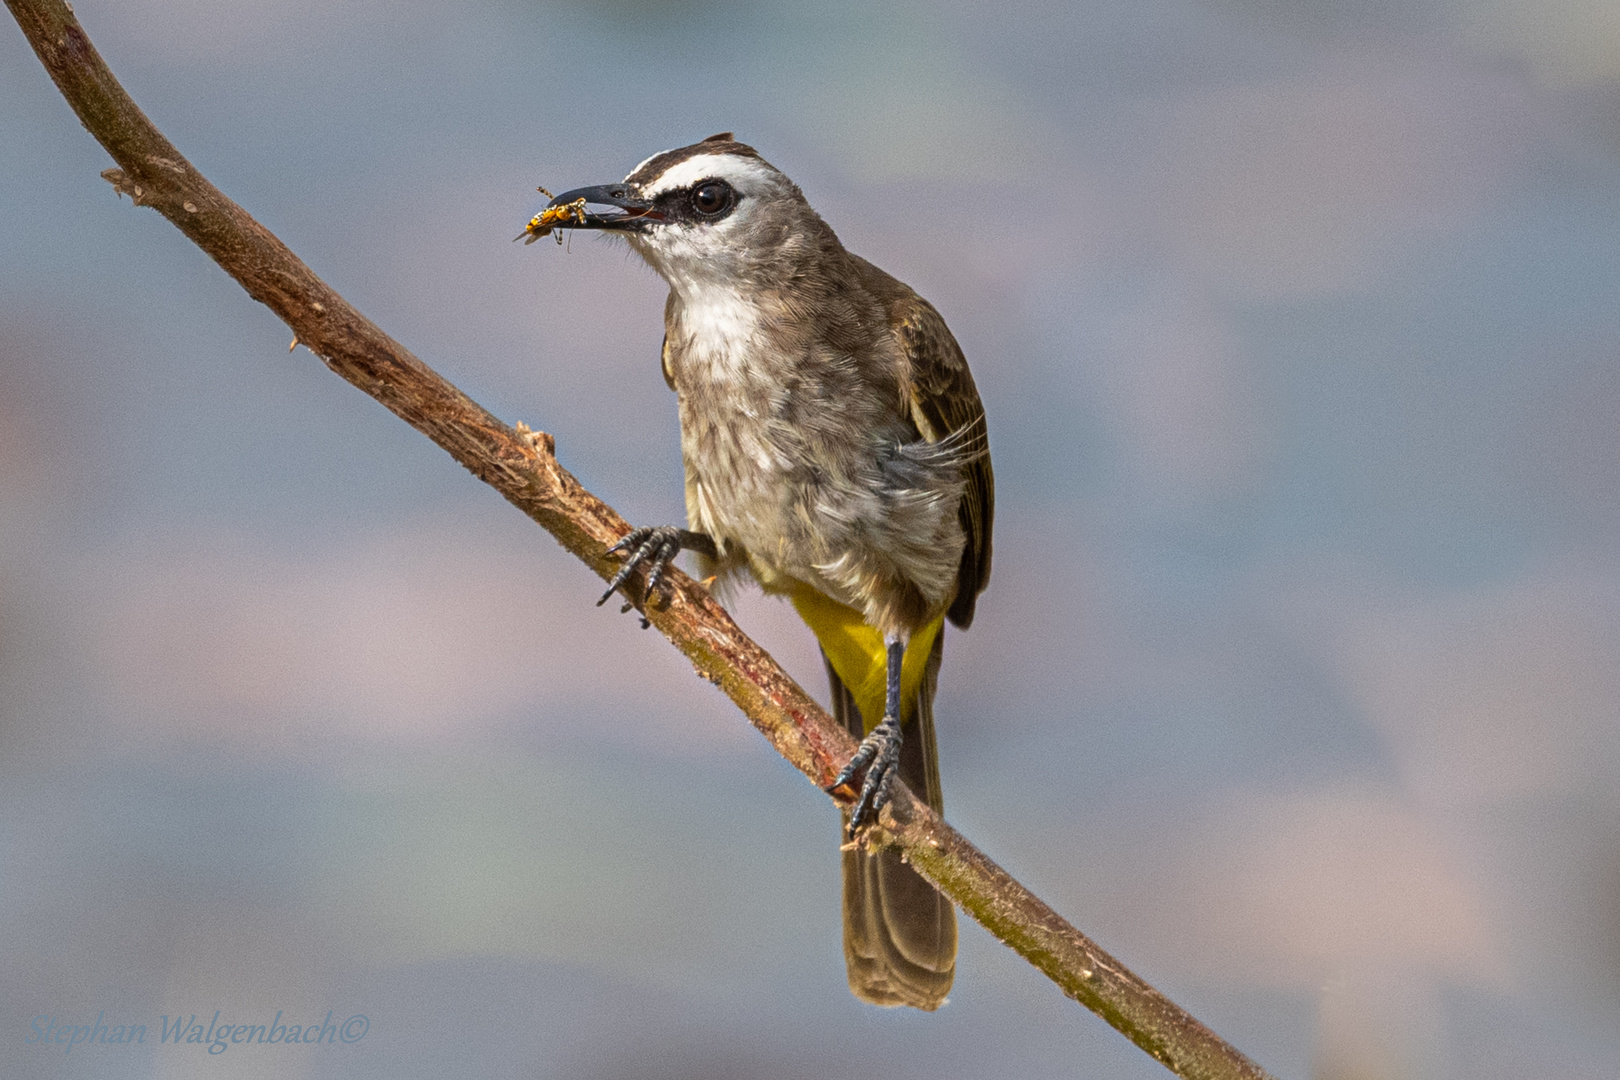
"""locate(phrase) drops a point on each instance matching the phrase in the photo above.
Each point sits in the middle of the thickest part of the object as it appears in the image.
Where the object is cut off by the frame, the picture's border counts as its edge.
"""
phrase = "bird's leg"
(879, 752)
(656, 546)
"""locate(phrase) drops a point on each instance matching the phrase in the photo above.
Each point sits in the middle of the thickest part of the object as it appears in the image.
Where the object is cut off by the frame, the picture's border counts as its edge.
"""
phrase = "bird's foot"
(652, 546)
(879, 755)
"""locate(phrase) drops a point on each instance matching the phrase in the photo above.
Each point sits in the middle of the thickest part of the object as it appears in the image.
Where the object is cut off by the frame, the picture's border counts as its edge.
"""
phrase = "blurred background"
(1297, 684)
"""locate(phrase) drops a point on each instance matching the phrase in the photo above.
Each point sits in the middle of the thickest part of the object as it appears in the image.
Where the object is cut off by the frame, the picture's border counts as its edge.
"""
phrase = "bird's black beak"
(572, 210)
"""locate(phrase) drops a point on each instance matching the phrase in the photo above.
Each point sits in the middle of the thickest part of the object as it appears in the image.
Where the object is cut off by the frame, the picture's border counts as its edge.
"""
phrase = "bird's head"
(712, 211)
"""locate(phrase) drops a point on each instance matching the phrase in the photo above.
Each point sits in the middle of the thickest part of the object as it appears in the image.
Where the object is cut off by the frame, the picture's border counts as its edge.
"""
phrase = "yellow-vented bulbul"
(835, 449)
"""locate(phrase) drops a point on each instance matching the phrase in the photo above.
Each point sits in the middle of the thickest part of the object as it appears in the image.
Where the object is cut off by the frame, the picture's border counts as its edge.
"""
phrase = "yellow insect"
(553, 217)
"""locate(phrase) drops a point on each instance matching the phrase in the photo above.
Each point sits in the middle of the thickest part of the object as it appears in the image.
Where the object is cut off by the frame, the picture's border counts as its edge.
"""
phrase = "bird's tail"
(899, 932)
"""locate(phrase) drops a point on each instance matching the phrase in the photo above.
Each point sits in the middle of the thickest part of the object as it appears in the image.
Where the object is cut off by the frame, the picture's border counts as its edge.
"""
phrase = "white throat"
(720, 330)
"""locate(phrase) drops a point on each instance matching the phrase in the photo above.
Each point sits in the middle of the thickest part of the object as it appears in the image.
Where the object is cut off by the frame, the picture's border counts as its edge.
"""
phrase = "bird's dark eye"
(712, 198)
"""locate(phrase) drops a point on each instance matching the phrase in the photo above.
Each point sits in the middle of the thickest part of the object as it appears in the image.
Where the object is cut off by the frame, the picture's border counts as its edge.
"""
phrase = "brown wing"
(945, 404)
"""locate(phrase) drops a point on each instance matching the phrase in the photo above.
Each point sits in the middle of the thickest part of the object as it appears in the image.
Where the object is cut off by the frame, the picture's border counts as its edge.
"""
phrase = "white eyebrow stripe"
(740, 172)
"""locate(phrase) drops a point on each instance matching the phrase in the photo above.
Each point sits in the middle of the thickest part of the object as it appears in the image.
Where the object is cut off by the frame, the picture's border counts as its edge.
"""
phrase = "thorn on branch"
(539, 441)
(123, 185)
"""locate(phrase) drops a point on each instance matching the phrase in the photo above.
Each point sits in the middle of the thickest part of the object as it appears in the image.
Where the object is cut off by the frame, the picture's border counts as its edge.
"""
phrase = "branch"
(522, 466)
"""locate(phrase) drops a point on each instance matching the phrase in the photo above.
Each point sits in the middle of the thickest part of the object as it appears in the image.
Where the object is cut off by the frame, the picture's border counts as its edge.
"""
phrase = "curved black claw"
(879, 755)
(656, 545)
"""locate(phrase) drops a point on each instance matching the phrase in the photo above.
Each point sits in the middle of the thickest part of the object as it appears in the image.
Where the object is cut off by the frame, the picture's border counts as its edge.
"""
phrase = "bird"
(835, 449)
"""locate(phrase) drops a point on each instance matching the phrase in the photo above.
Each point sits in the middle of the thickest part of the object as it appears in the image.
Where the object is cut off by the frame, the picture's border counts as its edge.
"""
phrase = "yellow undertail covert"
(859, 656)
